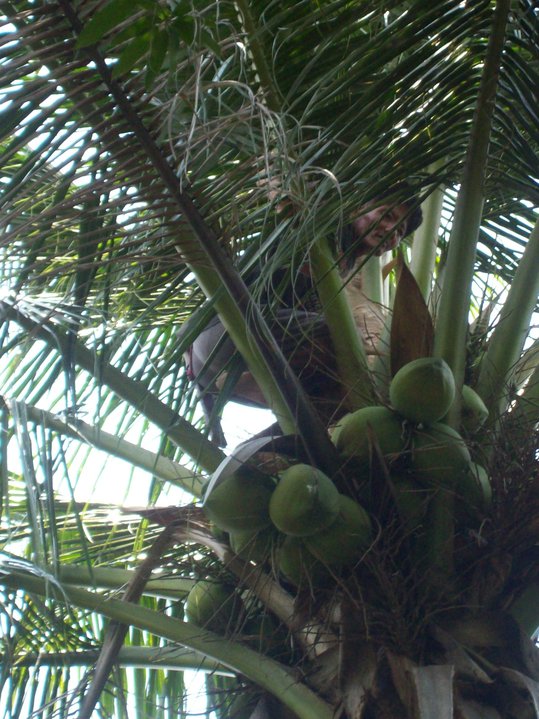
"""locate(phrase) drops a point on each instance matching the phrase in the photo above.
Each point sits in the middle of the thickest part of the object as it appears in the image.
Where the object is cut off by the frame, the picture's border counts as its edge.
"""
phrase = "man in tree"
(298, 324)
(376, 229)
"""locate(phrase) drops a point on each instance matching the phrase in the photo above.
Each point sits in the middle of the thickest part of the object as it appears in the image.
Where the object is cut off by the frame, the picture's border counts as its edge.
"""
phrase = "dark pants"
(305, 342)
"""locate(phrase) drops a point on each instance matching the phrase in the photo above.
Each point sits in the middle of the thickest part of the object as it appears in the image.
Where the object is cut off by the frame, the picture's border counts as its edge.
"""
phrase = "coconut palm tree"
(164, 163)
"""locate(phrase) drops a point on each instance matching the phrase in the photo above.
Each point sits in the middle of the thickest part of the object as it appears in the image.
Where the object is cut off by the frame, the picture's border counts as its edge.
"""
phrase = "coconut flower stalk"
(452, 320)
(507, 342)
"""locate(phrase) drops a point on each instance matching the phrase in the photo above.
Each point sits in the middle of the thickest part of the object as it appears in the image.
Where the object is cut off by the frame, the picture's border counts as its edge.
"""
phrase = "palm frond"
(159, 163)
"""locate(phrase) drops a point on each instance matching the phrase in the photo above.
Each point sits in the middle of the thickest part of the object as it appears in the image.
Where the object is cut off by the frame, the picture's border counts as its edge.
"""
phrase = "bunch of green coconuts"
(311, 532)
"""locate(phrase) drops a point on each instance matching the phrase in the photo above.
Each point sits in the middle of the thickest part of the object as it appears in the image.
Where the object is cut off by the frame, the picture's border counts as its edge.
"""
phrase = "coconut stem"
(440, 535)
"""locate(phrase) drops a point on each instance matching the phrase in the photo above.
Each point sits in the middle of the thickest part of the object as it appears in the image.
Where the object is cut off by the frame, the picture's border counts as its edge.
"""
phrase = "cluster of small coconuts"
(308, 529)
(420, 450)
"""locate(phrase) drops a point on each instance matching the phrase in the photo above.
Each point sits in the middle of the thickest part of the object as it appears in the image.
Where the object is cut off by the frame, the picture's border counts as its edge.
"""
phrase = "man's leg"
(305, 342)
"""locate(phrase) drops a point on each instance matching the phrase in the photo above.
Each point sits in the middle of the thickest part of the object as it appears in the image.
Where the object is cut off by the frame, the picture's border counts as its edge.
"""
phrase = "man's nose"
(386, 224)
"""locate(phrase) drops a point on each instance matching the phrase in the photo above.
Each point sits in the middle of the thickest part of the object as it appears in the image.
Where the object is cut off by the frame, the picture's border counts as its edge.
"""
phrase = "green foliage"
(161, 162)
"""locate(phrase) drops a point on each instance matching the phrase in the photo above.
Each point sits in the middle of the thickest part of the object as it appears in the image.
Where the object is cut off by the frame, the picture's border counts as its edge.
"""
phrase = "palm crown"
(156, 157)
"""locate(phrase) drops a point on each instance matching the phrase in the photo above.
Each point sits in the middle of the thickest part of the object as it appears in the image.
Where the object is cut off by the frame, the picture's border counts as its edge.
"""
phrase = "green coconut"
(440, 456)
(423, 390)
(474, 413)
(305, 501)
(213, 605)
(299, 566)
(335, 431)
(411, 499)
(241, 501)
(253, 545)
(474, 489)
(356, 431)
(344, 541)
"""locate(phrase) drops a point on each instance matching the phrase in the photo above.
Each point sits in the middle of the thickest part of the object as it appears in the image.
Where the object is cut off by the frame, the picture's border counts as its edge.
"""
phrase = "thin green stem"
(115, 578)
(425, 242)
(265, 672)
(201, 450)
(440, 535)
(373, 287)
(252, 31)
(170, 658)
(156, 464)
(452, 324)
(507, 341)
(349, 349)
(116, 631)
(526, 410)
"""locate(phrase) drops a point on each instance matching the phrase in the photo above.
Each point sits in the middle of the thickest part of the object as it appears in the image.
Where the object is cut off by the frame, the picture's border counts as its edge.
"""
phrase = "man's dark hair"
(402, 194)
(414, 219)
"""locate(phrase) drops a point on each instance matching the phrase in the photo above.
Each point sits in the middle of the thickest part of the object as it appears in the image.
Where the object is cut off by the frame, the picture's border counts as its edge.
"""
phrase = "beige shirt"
(369, 316)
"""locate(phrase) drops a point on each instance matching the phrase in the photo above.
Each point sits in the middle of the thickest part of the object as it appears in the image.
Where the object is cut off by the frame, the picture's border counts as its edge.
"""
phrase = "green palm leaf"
(159, 163)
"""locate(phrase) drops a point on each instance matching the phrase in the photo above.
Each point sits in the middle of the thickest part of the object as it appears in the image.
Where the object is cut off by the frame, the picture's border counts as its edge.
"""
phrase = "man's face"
(383, 228)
